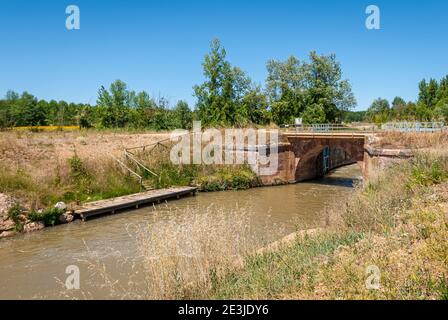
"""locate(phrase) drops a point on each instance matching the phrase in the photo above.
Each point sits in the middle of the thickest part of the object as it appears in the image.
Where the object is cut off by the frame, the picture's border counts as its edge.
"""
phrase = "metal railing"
(432, 126)
(414, 126)
(326, 127)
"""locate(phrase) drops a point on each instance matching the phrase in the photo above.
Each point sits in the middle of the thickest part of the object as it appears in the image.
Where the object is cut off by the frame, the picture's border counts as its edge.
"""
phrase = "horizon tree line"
(311, 89)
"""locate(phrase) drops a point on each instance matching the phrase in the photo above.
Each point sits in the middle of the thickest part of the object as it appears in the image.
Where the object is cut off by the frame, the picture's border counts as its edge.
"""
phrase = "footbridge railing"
(133, 174)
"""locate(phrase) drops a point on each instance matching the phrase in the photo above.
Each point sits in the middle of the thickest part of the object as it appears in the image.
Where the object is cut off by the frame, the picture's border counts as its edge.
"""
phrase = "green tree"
(5, 115)
(295, 87)
(326, 88)
(6, 109)
(441, 109)
(183, 115)
(379, 111)
(314, 114)
(410, 112)
(285, 84)
(219, 97)
(144, 109)
(398, 109)
(115, 104)
(27, 112)
(11, 96)
(442, 91)
(255, 104)
(428, 93)
(354, 116)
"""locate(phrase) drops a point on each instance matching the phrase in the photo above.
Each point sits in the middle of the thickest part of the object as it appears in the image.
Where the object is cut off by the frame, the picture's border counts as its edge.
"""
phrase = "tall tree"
(296, 88)
(379, 111)
(219, 97)
(115, 104)
(285, 84)
(428, 93)
(398, 103)
(326, 88)
(183, 115)
(27, 112)
(256, 106)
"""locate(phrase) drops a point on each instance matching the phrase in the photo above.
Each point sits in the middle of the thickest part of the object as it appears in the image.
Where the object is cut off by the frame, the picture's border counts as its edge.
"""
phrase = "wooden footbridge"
(133, 201)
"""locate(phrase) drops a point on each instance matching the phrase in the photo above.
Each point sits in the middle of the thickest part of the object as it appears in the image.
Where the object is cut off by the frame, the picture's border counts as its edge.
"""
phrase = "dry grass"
(103, 179)
(412, 257)
(180, 255)
(417, 140)
(398, 223)
(42, 152)
(34, 167)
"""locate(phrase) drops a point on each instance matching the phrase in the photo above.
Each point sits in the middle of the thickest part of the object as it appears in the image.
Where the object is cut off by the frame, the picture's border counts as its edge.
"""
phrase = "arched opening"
(320, 160)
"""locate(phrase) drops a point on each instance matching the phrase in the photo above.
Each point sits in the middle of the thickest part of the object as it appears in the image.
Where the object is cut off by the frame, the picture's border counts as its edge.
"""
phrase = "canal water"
(34, 265)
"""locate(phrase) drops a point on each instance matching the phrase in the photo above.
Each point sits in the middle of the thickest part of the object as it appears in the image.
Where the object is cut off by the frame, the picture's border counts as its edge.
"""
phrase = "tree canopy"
(432, 104)
(313, 89)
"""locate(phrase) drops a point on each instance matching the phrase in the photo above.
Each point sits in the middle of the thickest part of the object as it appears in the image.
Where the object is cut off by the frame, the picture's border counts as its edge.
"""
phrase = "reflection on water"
(30, 264)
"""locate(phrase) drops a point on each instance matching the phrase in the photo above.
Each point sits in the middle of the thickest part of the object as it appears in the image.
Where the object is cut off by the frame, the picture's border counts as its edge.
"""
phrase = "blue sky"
(158, 46)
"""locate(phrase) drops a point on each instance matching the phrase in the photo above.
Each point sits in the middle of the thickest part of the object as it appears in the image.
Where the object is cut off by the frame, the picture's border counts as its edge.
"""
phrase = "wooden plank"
(131, 201)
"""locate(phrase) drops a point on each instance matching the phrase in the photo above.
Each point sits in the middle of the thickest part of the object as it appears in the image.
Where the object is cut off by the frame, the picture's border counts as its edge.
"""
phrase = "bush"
(14, 214)
(236, 178)
(49, 217)
(78, 171)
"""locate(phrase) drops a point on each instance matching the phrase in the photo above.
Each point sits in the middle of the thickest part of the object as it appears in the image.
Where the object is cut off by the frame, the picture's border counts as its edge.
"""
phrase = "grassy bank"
(40, 169)
(75, 181)
(397, 224)
(206, 177)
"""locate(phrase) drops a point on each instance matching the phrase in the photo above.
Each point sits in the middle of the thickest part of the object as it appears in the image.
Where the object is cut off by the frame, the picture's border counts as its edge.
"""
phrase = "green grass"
(271, 274)
(206, 177)
(228, 178)
(425, 173)
(171, 175)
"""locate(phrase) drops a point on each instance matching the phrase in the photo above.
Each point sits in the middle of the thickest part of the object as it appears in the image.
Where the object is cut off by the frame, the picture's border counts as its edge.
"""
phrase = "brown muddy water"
(34, 265)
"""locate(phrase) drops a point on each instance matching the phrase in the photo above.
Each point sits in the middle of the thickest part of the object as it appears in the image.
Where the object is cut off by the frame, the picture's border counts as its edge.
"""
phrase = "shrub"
(14, 214)
(233, 178)
(49, 217)
(78, 170)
